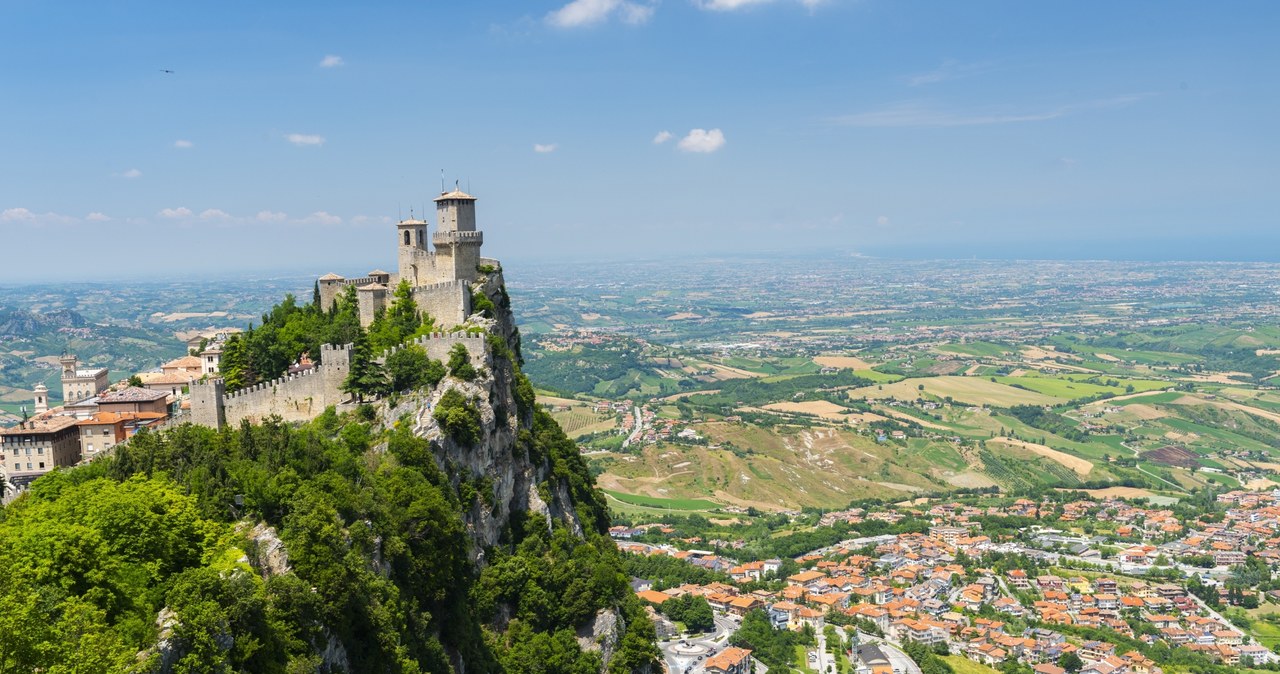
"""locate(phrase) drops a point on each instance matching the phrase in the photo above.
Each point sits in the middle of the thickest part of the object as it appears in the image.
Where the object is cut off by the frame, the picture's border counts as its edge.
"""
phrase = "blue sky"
(291, 135)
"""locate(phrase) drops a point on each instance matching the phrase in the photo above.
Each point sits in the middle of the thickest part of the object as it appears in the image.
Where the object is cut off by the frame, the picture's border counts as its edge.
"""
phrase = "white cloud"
(183, 144)
(321, 218)
(214, 214)
(97, 217)
(702, 140)
(174, 213)
(271, 216)
(304, 140)
(131, 174)
(733, 5)
(16, 215)
(544, 149)
(26, 216)
(635, 14)
(883, 221)
(332, 61)
(918, 115)
(588, 12)
(662, 137)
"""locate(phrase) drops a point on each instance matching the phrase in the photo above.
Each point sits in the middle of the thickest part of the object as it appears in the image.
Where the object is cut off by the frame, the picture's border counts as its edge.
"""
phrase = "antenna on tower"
(399, 212)
(441, 181)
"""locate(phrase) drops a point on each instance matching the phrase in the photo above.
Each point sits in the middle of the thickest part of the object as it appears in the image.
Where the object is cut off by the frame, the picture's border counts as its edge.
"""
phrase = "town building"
(134, 399)
(732, 660)
(105, 430)
(37, 446)
(79, 383)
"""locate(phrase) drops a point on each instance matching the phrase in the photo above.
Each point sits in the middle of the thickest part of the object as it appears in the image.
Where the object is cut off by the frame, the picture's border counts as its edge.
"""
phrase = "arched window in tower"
(406, 238)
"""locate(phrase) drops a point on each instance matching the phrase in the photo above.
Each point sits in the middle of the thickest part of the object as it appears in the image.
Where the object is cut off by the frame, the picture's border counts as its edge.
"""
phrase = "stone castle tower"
(439, 278)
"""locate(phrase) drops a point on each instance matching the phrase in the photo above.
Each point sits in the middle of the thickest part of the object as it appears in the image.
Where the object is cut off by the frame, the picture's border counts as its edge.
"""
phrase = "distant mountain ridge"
(23, 323)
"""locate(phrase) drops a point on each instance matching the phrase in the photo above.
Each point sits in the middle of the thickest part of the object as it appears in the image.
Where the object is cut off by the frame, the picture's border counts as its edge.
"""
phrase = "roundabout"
(689, 650)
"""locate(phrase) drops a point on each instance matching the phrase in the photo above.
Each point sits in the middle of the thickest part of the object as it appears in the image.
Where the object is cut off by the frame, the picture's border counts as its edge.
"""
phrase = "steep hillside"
(453, 528)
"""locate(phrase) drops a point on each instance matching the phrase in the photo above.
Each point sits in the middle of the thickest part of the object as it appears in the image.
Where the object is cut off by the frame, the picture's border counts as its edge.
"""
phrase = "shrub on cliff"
(460, 363)
(411, 368)
(458, 418)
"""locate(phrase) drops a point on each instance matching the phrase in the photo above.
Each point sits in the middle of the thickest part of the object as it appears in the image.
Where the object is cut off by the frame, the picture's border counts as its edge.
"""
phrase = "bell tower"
(42, 398)
(411, 241)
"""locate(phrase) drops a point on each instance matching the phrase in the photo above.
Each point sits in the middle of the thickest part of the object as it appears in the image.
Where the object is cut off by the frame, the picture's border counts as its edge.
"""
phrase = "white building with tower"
(80, 383)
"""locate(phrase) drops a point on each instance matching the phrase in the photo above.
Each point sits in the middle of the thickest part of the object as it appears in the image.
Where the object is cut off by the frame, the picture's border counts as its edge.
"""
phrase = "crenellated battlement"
(457, 237)
(293, 397)
(301, 396)
(437, 345)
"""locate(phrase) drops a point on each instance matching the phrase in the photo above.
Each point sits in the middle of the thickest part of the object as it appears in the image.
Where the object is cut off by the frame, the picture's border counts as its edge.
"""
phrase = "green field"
(663, 503)
(962, 665)
(972, 390)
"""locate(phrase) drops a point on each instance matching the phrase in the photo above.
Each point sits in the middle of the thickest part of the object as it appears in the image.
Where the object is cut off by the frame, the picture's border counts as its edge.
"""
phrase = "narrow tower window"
(406, 238)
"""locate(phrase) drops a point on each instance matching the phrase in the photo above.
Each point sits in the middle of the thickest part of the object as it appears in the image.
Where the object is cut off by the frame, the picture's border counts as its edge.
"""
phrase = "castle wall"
(449, 302)
(330, 290)
(419, 266)
(438, 346)
(298, 397)
(302, 397)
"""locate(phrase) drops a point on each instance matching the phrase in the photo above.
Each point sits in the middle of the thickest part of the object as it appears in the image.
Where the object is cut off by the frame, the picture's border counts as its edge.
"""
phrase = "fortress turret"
(456, 240)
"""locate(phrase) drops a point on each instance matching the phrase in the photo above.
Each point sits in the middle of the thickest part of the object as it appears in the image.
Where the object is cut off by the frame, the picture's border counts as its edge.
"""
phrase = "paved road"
(678, 663)
(824, 658)
(637, 430)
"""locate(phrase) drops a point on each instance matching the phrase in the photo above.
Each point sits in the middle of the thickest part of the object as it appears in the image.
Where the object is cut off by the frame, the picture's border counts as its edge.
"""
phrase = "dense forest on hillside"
(376, 550)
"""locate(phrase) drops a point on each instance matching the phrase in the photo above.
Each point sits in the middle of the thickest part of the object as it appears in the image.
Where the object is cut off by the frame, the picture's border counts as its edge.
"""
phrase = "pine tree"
(232, 364)
(346, 318)
(366, 376)
(403, 312)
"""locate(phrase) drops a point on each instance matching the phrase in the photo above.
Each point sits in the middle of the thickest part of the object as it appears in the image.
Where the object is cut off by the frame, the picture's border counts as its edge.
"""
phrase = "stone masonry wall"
(299, 397)
(438, 345)
(449, 303)
(302, 397)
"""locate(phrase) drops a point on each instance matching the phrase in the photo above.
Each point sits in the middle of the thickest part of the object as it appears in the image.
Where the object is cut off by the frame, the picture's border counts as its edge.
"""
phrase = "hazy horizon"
(515, 266)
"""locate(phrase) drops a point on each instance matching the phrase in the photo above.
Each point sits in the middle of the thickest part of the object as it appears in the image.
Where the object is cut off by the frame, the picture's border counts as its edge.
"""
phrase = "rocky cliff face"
(498, 457)
(522, 485)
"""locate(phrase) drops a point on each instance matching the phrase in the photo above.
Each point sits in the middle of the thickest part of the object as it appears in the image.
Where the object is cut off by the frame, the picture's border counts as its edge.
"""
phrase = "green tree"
(366, 377)
(1071, 662)
(233, 365)
(410, 368)
(460, 363)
